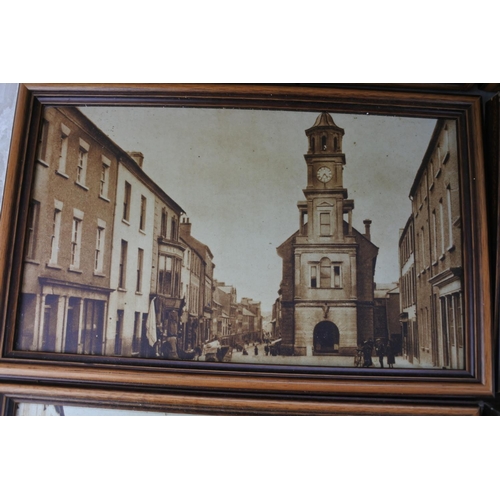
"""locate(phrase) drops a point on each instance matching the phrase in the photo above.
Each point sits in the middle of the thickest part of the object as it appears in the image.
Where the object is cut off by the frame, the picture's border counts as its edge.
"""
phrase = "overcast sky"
(239, 174)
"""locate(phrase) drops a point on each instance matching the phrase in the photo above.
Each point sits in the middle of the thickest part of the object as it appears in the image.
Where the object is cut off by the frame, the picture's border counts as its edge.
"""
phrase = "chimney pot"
(138, 157)
(186, 225)
(367, 223)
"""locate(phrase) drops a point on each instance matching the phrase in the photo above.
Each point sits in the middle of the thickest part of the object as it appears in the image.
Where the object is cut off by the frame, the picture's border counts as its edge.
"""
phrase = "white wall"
(8, 95)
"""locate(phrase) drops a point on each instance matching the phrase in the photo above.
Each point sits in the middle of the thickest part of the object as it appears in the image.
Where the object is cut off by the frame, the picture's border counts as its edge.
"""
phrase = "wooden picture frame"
(219, 405)
(492, 145)
(255, 381)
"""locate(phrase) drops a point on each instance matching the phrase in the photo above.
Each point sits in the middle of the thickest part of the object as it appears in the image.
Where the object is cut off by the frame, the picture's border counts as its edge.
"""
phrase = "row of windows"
(127, 199)
(80, 171)
(174, 236)
(81, 175)
(452, 322)
(75, 241)
(447, 311)
(441, 232)
(122, 269)
(195, 264)
(208, 294)
(168, 267)
(194, 299)
(406, 247)
(439, 159)
(408, 288)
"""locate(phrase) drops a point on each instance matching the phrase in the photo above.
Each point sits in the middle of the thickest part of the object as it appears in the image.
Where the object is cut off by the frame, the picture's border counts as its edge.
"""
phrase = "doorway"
(326, 338)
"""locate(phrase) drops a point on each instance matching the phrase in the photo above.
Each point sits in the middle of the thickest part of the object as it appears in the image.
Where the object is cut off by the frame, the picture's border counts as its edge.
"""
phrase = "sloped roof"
(325, 120)
(354, 230)
(200, 247)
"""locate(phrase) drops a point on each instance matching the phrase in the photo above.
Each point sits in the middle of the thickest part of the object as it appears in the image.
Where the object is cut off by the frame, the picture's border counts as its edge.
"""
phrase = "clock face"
(324, 174)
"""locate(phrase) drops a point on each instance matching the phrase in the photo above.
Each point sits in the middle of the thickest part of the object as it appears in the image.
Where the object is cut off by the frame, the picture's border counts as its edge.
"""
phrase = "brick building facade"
(432, 244)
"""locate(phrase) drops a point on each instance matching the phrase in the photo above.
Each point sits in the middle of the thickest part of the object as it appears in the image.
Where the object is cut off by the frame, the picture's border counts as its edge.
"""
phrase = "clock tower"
(325, 193)
(328, 266)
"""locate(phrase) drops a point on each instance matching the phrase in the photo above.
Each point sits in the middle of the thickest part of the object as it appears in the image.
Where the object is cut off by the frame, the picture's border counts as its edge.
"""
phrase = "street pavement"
(348, 361)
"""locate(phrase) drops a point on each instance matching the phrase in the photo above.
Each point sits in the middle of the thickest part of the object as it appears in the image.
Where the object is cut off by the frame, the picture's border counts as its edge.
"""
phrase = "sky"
(238, 175)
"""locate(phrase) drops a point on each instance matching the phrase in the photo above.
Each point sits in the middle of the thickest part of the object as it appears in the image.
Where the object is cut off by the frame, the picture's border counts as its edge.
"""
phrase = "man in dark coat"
(391, 359)
(367, 354)
(380, 350)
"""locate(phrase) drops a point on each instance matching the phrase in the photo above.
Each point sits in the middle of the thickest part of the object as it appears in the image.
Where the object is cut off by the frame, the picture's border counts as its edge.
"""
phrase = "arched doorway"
(326, 338)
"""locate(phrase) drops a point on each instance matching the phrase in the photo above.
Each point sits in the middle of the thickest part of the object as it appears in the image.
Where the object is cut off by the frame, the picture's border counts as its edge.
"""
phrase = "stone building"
(197, 284)
(66, 283)
(276, 319)
(245, 326)
(408, 292)
(227, 296)
(253, 330)
(387, 324)
(221, 315)
(220, 318)
(435, 291)
(94, 244)
(328, 266)
(166, 292)
(132, 255)
(146, 261)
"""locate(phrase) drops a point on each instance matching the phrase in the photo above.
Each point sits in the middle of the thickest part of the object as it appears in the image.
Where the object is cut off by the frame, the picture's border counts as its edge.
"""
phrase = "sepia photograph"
(245, 236)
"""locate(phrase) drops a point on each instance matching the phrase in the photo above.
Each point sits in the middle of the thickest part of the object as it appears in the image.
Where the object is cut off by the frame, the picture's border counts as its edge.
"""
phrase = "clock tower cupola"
(325, 193)
(325, 159)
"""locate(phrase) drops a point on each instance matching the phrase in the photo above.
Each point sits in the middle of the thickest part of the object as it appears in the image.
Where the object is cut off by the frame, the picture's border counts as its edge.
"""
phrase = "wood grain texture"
(136, 400)
(263, 383)
(492, 158)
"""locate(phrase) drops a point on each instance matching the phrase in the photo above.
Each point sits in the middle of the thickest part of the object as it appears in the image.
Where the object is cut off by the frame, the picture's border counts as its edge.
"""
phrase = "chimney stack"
(186, 226)
(138, 157)
(367, 223)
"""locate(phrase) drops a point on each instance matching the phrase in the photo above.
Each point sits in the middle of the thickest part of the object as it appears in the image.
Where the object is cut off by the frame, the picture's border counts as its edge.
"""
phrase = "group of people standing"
(382, 349)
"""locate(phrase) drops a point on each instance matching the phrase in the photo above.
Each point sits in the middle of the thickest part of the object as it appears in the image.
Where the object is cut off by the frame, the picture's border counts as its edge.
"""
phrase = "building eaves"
(122, 155)
(200, 247)
(427, 156)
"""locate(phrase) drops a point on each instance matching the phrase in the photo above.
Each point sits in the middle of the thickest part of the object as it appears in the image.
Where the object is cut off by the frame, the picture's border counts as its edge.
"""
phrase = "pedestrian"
(358, 357)
(391, 359)
(266, 350)
(380, 350)
(367, 353)
(245, 352)
(256, 350)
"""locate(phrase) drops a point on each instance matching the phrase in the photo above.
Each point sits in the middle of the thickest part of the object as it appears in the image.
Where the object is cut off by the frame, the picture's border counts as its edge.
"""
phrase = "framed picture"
(249, 239)
(34, 400)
